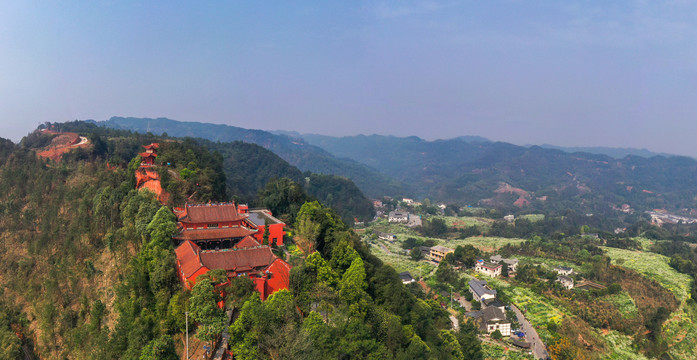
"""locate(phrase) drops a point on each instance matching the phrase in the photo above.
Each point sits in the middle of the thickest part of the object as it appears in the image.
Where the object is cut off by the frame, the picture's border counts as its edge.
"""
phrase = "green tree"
(205, 311)
(161, 348)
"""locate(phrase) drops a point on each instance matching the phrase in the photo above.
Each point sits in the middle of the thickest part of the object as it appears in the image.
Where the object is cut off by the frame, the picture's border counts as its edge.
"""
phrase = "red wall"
(275, 233)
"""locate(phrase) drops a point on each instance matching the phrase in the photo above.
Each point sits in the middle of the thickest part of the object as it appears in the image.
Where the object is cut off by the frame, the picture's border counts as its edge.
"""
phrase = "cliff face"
(148, 178)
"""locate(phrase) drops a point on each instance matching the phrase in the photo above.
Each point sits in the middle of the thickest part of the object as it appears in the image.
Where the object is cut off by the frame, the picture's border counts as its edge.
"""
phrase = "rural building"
(491, 319)
(408, 201)
(438, 252)
(488, 268)
(386, 236)
(261, 218)
(564, 270)
(512, 263)
(268, 272)
(566, 281)
(589, 285)
(406, 278)
(509, 218)
(480, 290)
(398, 217)
(493, 302)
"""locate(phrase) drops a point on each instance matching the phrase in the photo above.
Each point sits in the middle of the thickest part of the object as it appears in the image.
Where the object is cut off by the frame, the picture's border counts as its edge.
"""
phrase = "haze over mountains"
(471, 170)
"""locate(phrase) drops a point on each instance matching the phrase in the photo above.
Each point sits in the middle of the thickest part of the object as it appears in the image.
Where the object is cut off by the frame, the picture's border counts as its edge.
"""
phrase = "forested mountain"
(516, 177)
(294, 150)
(87, 266)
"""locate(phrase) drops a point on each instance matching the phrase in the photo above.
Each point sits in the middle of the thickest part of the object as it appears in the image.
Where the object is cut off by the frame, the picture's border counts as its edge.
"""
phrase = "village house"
(408, 201)
(406, 278)
(438, 253)
(495, 302)
(488, 268)
(509, 218)
(386, 236)
(480, 290)
(566, 282)
(491, 319)
(512, 263)
(564, 270)
(398, 217)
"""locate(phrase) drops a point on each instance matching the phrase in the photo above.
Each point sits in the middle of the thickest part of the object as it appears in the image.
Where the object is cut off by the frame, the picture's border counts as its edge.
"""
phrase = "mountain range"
(472, 170)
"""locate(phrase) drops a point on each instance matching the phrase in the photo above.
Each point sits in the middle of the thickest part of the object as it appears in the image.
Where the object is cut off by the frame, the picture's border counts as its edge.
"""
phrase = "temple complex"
(230, 237)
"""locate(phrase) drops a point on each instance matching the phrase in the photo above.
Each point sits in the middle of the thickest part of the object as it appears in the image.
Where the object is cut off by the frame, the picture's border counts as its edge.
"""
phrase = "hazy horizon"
(572, 74)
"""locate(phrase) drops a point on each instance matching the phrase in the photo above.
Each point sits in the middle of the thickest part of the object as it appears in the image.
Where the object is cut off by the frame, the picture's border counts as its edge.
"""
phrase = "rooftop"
(210, 213)
(480, 288)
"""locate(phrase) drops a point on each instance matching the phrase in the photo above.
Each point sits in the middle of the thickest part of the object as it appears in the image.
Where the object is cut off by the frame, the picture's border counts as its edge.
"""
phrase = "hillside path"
(538, 347)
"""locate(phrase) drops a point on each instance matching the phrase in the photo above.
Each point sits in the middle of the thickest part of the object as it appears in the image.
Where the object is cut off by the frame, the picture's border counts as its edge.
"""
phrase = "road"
(538, 347)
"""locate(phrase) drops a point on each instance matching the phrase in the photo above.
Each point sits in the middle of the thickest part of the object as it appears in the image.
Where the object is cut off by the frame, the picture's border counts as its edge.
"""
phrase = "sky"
(569, 73)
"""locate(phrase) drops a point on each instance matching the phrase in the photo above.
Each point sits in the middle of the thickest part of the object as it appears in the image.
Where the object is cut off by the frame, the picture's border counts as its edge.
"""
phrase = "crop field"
(495, 352)
(464, 221)
(551, 263)
(624, 303)
(486, 243)
(679, 328)
(402, 263)
(653, 266)
(533, 217)
(620, 347)
(540, 310)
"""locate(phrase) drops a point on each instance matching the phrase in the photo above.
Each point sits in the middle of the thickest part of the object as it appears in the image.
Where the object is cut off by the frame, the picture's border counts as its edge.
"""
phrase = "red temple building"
(247, 258)
(148, 157)
(228, 237)
(221, 226)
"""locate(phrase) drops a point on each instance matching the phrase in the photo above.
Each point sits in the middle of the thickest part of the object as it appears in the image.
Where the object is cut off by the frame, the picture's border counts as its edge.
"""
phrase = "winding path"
(538, 347)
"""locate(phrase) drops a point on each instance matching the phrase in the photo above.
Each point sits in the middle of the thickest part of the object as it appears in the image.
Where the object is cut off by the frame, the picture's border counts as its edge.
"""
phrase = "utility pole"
(187, 334)
(451, 296)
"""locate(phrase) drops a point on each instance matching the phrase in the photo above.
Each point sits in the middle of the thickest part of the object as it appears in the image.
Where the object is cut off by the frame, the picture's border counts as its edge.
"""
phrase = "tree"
(416, 254)
(504, 270)
(265, 239)
(204, 310)
(496, 335)
(161, 348)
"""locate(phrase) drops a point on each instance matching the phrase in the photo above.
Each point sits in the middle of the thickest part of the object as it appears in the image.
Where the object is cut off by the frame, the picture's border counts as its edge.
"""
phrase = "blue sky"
(573, 73)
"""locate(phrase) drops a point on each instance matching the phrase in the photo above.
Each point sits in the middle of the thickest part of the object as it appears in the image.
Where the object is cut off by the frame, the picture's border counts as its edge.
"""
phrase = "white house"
(566, 281)
(564, 270)
(398, 217)
(480, 290)
(512, 263)
(488, 268)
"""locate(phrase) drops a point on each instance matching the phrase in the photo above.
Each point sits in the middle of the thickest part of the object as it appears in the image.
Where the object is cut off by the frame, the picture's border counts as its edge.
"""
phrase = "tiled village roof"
(212, 234)
(478, 287)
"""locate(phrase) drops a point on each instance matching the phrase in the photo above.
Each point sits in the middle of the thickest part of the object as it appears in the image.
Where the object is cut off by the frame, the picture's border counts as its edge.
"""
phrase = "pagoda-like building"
(148, 157)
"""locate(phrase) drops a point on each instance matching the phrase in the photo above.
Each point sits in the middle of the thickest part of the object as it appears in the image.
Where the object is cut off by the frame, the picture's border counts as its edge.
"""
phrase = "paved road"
(531, 335)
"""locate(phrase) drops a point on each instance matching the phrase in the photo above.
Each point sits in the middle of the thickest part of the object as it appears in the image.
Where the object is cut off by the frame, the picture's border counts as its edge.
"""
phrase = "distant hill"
(617, 153)
(294, 150)
(524, 177)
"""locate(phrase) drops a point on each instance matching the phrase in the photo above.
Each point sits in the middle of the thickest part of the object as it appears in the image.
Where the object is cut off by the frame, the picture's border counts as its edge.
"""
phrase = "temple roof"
(213, 234)
(146, 154)
(210, 213)
(187, 255)
(151, 146)
(238, 260)
(247, 242)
